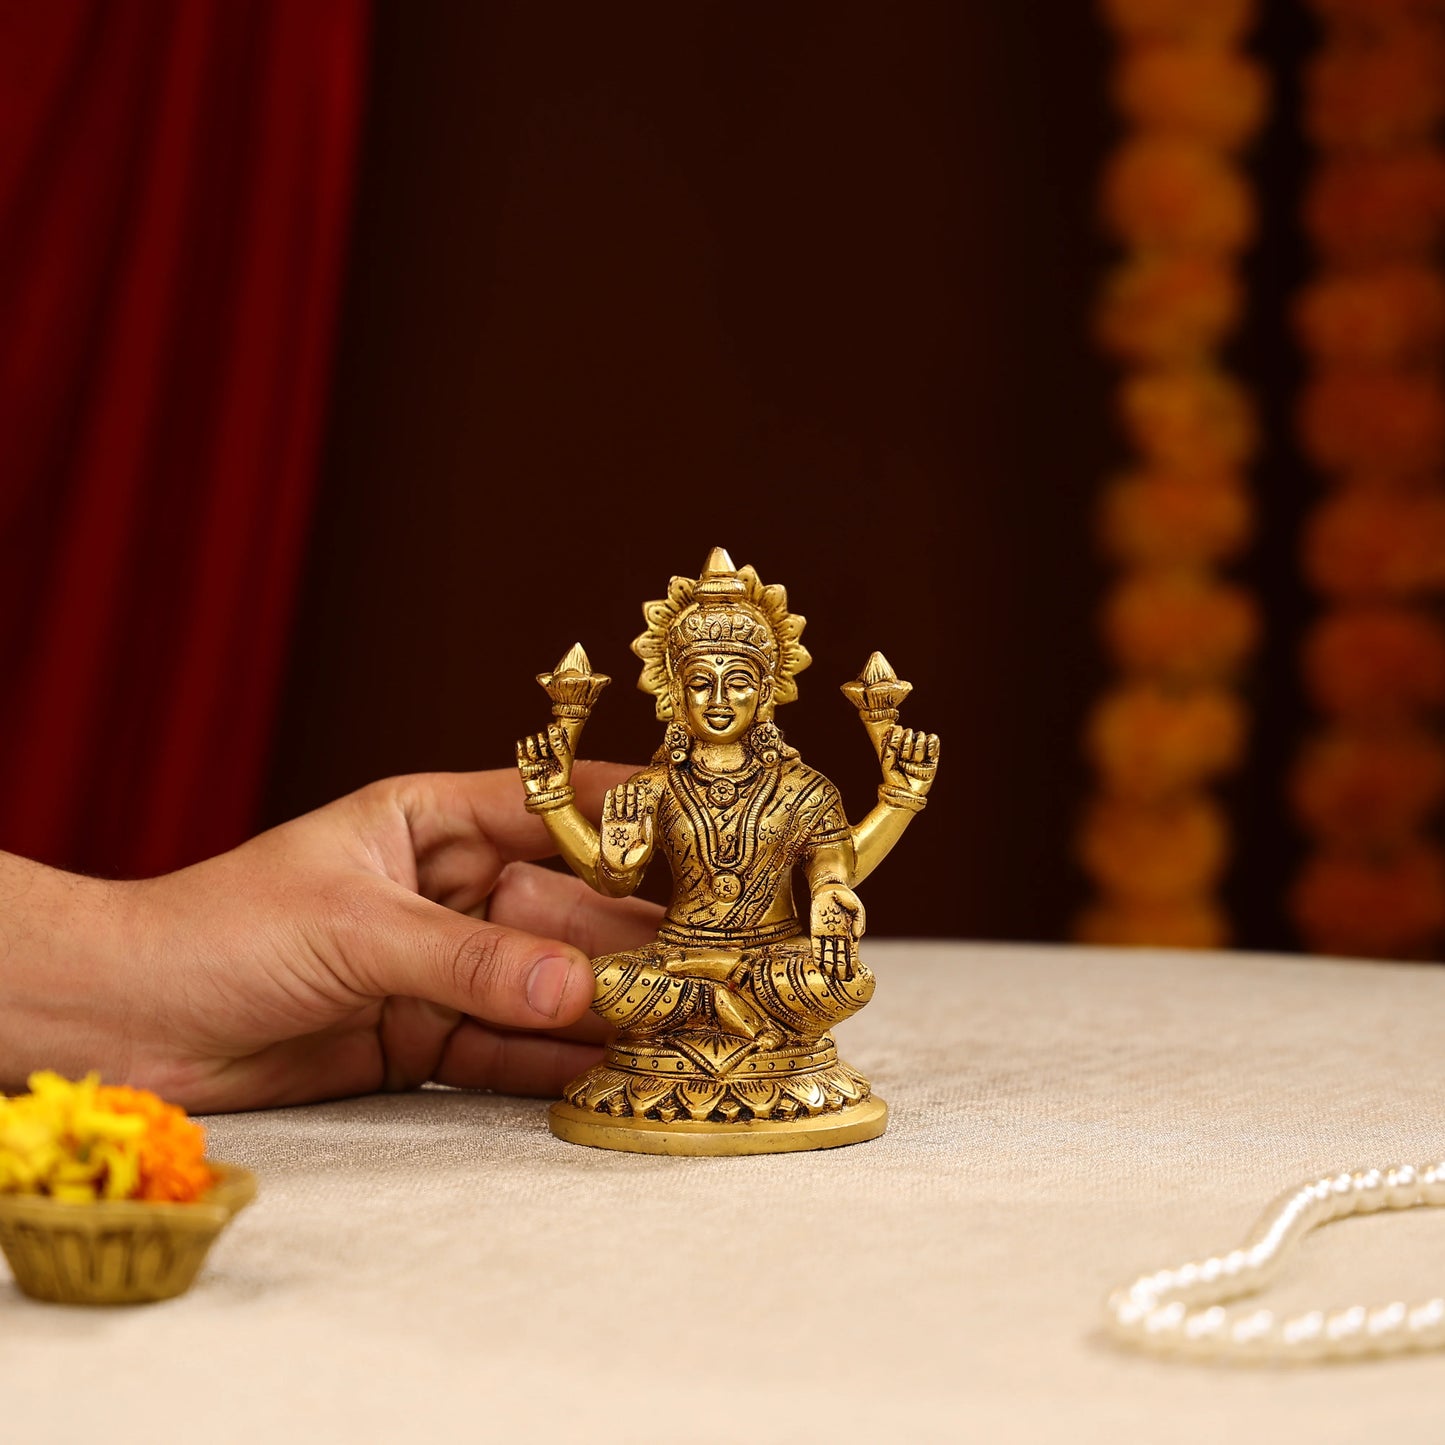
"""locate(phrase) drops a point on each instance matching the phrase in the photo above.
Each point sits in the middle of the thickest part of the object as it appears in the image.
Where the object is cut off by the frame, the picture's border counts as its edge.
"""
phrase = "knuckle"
(478, 962)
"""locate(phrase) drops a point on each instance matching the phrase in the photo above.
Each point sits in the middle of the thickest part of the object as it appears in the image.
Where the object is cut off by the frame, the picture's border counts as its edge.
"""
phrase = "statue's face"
(721, 696)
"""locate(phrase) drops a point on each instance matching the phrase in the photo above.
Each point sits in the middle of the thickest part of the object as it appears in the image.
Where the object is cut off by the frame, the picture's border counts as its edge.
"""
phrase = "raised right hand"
(545, 760)
(626, 833)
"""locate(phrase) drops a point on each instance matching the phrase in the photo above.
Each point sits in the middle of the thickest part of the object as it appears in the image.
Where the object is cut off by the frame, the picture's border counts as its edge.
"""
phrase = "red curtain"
(175, 180)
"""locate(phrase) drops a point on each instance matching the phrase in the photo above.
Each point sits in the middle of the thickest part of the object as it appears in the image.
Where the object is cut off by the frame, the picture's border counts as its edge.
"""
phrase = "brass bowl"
(116, 1251)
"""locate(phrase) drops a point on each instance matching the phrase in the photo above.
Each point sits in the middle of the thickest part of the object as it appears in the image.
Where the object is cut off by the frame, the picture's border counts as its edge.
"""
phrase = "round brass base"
(684, 1136)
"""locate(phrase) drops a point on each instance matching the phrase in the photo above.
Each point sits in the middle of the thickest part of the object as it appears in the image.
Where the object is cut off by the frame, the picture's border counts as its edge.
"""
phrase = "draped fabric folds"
(175, 185)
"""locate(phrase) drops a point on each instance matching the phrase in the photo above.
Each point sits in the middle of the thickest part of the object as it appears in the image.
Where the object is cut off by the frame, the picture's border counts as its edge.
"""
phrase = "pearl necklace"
(1180, 1311)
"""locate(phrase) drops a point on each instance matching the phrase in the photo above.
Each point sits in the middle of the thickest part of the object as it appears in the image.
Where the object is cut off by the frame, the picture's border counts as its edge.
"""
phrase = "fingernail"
(546, 984)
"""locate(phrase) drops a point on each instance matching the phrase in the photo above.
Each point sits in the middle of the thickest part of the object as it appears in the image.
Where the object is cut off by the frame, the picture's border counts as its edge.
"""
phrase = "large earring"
(677, 741)
(765, 743)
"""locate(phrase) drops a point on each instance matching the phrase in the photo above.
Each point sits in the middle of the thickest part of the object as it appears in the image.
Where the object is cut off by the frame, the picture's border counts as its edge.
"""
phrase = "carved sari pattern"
(732, 844)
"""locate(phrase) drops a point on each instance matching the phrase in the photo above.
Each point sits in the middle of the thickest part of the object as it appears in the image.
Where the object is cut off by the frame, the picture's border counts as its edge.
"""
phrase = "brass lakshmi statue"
(723, 1043)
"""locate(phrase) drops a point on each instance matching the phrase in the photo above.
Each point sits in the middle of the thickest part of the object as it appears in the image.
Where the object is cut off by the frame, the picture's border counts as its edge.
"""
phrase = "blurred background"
(360, 357)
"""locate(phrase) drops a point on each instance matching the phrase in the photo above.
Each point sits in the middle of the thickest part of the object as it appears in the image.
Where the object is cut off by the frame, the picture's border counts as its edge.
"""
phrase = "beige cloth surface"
(436, 1267)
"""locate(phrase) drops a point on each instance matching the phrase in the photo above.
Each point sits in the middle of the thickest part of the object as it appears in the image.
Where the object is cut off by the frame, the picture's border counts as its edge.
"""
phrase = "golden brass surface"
(723, 1042)
(116, 1251)
(770, 1136)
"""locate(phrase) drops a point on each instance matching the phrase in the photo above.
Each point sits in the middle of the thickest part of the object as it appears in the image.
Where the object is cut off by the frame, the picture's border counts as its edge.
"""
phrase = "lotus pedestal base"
(757, 1136)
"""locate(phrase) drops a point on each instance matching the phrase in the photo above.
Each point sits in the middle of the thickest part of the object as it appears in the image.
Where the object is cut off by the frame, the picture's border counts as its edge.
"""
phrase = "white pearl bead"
(1263, 1254)
(1252, 1328)
(1369, 1190)
(1142, 1290)
(1186, 1277)
(1432, 1184)
(1386, 1320)
(1206, 1325)
(1305, 1210)
(1145, 1313)
(1345, 1329)
(1304, 1335)
(1403, 1186)
(1342, 1195)
(1302, 1328)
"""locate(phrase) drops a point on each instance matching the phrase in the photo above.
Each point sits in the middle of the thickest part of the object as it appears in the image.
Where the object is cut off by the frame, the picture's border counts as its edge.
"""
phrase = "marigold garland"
(1372, 419)
(1390, 315)
(1373, 905)
(1153, 841)
(1186, 923)
(1168, 308)
(1164, 519)
(1369, 789)
(1364, 543)
(1371, 211)
(1154, 744)
(1189, 418)
(84, 1141)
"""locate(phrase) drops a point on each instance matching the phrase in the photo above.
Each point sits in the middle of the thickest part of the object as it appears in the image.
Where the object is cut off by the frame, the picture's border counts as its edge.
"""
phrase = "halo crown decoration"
(724, 609)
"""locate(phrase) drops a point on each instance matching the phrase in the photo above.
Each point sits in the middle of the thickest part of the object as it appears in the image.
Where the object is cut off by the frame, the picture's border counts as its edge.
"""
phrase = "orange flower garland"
(1372, 419)
(1153, 841)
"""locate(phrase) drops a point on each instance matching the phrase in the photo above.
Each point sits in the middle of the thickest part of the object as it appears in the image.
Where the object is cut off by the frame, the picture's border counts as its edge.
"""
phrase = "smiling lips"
(719, 718)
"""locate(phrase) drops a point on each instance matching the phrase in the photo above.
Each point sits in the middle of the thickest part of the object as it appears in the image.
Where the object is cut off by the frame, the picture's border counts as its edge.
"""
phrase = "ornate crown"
(726, 610)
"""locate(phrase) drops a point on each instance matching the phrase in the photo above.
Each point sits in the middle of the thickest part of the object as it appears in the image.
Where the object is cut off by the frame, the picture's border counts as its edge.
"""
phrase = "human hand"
(331, 956)
(626, 832)
(910, 760)
(836, 924)
(545, 760)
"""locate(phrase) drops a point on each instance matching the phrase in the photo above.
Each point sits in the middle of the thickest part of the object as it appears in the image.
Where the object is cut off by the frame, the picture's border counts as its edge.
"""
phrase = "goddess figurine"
(723, 1042)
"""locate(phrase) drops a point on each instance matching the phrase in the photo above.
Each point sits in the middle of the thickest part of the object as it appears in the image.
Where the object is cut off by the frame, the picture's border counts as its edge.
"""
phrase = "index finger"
(466, 827)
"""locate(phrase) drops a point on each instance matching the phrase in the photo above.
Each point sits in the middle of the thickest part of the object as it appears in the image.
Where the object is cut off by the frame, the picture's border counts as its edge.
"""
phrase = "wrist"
(550, 799)
(613, 883)
(901, 799)
(63, 940)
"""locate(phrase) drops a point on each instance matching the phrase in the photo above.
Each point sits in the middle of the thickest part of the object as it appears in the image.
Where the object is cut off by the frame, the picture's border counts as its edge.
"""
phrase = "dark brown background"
(807, 280)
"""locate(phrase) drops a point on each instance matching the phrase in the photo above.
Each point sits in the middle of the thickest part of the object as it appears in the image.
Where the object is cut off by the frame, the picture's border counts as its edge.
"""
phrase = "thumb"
(891, 739)
(561, 743)
(419, 949)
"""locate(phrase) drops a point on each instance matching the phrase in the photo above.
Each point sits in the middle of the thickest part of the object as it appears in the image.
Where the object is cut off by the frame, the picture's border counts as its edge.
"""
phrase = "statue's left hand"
(837, 923)
(910, 760)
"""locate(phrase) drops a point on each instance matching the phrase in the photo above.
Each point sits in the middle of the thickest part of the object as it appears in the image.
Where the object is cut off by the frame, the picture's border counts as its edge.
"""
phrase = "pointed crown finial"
(720, 580)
